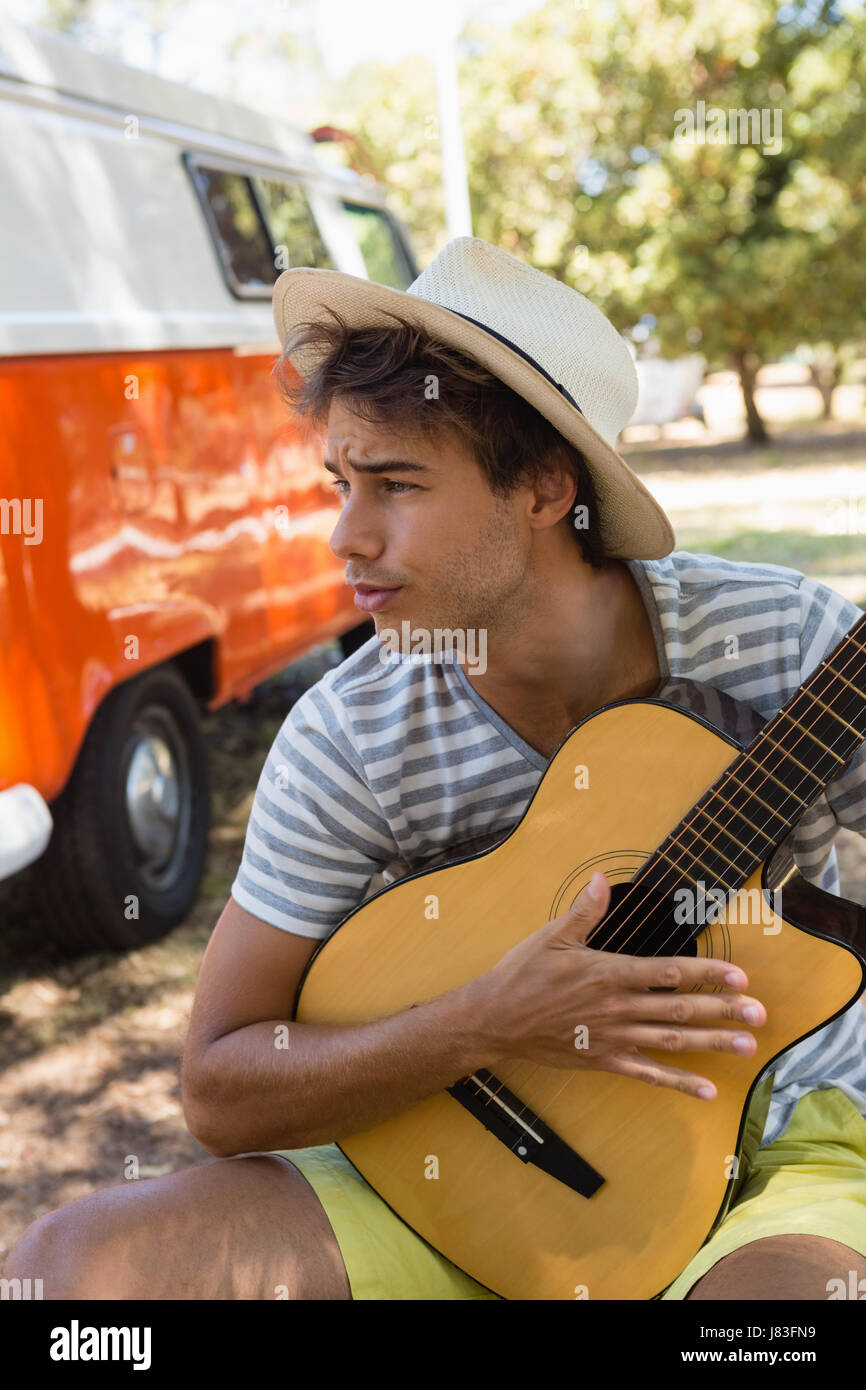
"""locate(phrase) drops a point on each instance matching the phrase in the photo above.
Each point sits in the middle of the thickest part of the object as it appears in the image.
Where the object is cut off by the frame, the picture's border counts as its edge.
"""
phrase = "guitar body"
(666, 1159)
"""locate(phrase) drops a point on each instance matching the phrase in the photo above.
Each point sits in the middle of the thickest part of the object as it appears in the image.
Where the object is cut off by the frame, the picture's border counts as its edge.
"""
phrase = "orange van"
(163, 524)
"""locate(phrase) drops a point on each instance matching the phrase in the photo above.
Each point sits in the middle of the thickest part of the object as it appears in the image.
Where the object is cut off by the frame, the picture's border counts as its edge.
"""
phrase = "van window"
(241, 236)
(384, 258)
(293, 225)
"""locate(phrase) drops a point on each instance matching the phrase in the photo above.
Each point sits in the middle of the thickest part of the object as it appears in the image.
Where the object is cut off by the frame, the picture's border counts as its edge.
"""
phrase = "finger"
(654, 1073)
(587, 910)
(669, 1038)
(677, 972)
(687, 1008)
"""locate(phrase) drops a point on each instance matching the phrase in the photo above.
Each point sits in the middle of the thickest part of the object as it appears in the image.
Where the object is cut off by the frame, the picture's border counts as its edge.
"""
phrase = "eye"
(339, 483)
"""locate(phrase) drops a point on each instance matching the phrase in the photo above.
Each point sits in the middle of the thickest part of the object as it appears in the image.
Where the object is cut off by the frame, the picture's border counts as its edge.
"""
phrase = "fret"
(802, 766)
(841, 761)
(833, 712)
(677, 864)
(721, 830)
(753, 796)
(744, 817)
(711, 847)
(845, 699)
(735, 826)
(761, 767)
(809, 772)
(829, 722)
(847, 682)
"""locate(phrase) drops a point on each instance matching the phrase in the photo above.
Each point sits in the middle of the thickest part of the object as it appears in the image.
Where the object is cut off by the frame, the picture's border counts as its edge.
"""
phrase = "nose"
(354, 533)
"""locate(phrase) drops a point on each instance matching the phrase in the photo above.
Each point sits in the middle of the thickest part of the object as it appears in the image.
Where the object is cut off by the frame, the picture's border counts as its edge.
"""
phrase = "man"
(471, 424)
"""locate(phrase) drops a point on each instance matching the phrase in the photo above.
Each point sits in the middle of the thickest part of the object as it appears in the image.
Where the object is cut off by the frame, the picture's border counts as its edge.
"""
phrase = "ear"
(556, 489)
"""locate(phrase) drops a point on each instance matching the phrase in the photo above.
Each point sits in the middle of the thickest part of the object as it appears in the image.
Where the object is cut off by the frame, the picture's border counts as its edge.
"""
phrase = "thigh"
(385, 1259)
(246, 1227)
(798, 1227)
(778, 1268)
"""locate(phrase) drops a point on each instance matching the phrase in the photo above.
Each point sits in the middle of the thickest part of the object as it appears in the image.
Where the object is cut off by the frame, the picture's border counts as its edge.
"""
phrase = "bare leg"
(235, 1228)
(780, 1267)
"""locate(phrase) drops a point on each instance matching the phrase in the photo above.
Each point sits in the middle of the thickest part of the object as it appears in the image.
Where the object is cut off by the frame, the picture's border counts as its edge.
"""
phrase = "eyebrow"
(382, 466)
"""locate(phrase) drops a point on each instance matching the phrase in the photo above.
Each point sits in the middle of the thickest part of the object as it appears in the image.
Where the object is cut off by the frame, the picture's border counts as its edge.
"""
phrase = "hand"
(549, 986)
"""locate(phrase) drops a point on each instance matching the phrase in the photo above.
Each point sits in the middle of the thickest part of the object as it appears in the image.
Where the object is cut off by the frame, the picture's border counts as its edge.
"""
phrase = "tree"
(729, 245)
(574, 126)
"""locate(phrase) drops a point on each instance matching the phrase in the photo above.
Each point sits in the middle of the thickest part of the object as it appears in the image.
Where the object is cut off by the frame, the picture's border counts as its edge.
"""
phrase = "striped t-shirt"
(386, 767)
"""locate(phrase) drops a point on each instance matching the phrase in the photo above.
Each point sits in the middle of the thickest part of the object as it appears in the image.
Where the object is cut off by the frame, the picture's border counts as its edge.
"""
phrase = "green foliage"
(571, 119)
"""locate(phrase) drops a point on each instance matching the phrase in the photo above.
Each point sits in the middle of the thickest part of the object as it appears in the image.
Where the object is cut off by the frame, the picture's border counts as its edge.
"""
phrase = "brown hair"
(386, 371)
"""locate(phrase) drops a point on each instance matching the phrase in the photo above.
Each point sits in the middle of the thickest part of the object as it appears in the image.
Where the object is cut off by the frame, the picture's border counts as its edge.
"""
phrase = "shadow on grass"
(796, 448)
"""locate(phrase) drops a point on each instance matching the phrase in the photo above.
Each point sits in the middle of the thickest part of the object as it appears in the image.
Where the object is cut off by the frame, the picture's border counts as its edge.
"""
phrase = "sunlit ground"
(801, 502)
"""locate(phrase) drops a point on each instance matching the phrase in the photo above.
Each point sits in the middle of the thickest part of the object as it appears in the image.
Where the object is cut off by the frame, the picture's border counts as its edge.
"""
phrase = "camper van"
(164, 522)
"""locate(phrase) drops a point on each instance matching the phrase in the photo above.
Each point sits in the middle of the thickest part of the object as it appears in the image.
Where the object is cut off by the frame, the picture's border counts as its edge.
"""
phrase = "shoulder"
(687, 572)
(699, 593)
(363, 702)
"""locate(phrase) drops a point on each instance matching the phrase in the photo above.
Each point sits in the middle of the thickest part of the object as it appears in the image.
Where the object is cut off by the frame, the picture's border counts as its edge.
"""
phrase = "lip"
(371, 600)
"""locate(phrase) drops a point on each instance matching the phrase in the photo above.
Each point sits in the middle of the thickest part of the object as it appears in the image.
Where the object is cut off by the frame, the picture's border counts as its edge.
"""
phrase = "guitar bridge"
(522, 1132)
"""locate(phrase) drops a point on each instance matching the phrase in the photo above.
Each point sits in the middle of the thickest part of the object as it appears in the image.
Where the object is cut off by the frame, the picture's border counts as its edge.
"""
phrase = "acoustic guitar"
(552, 1183)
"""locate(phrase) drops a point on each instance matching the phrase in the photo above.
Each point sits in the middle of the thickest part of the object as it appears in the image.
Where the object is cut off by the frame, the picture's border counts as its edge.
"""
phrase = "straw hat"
(545, 340)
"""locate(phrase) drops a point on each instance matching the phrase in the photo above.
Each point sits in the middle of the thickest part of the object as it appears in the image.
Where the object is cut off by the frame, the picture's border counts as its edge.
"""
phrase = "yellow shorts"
(811, 1181)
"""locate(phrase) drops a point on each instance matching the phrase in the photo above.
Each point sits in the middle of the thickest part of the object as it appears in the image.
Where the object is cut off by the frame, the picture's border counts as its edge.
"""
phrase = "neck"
(584, 640)
(588, 642)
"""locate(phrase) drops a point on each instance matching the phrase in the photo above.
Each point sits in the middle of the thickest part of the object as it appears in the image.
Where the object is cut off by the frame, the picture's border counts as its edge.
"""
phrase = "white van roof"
(59, 64)
(104, 243)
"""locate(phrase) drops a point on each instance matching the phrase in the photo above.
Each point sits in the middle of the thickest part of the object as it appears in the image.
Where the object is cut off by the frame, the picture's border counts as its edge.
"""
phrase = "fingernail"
(752, 1014)
(743, 1043)
(596, 887)
(736, 978)
(706, 1092)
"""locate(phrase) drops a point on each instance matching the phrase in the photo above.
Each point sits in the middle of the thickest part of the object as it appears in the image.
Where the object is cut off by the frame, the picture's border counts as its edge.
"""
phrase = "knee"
(40, 1258)
(778, 1268)
(64, 1251)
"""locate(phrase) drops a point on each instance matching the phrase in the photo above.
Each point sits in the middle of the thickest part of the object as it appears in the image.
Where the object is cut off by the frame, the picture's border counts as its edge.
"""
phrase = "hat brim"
(633, 524)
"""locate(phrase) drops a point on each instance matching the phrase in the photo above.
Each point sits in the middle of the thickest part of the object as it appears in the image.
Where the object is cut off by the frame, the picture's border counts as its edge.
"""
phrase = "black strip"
(514, 348)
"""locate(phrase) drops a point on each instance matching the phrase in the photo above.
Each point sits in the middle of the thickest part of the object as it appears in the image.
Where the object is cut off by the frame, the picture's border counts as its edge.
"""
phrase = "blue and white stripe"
(383, 768)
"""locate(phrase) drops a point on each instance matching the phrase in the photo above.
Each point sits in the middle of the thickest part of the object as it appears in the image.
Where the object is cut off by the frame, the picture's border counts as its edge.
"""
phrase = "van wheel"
(131, 826)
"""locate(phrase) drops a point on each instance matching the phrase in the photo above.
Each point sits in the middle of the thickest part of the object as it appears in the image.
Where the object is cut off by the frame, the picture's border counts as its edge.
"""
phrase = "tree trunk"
(746, 365)
(826, 379)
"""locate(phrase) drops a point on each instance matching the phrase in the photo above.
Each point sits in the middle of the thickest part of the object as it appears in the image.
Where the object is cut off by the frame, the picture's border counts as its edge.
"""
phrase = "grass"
(799, 503)
(815, 555)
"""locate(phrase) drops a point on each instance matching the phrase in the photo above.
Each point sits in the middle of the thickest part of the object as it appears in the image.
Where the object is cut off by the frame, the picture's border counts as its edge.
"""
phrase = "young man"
(471, 425)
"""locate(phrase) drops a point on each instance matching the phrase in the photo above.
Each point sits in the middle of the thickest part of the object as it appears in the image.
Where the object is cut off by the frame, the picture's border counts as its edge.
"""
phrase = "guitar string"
(749, 752)
(834, 675)
(742, 785)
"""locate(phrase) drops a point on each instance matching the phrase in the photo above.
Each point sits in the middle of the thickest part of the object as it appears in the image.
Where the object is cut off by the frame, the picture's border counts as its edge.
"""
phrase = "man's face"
(427, 527)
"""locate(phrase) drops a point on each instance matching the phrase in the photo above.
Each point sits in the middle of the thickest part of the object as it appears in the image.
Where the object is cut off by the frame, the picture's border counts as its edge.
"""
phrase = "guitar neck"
(748, 812)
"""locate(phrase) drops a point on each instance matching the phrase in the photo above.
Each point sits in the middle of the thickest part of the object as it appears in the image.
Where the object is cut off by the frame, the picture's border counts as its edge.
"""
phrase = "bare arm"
(241, 1091)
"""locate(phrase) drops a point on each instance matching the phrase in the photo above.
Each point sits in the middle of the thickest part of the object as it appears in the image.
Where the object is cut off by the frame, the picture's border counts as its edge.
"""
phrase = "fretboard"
(760, 796)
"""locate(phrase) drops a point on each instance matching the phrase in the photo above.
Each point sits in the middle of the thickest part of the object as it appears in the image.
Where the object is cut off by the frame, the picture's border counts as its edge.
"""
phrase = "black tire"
(121, 868)
(356, 637)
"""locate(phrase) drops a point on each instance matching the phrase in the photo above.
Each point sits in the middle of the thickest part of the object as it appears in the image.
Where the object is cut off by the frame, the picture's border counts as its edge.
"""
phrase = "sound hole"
(644, 925)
